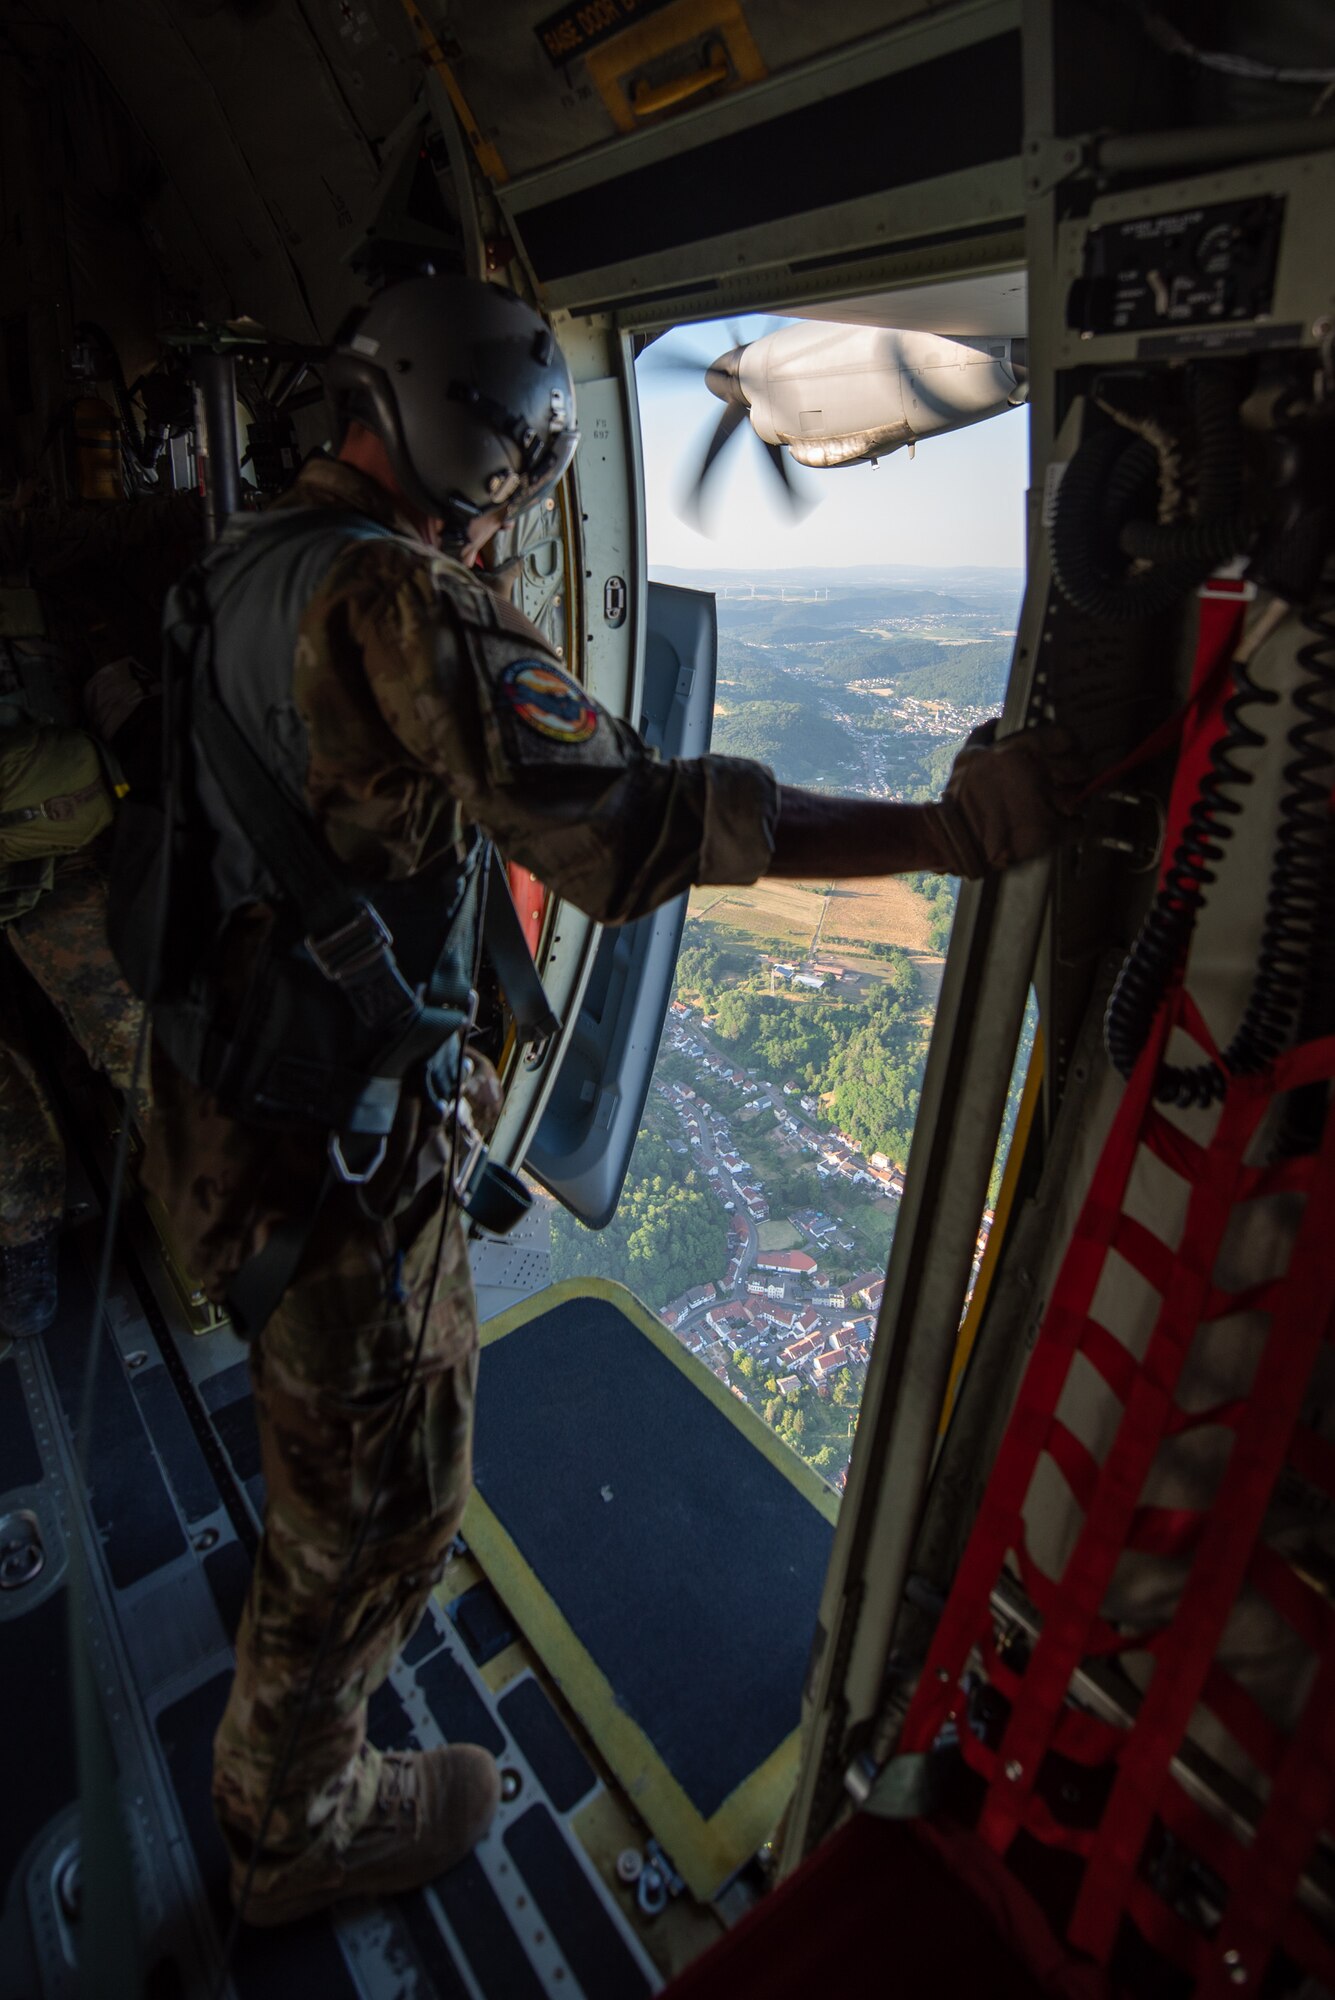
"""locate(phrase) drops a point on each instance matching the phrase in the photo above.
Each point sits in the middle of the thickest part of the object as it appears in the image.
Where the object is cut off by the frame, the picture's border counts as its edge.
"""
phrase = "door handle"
(646, 99)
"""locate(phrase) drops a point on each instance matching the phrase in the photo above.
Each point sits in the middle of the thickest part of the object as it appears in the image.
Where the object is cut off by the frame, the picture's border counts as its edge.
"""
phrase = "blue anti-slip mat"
(664, 1554)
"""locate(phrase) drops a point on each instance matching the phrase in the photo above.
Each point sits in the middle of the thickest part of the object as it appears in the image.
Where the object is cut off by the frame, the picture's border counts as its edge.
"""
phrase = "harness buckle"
(353, 948)
(476, 1154)
(350, 1176)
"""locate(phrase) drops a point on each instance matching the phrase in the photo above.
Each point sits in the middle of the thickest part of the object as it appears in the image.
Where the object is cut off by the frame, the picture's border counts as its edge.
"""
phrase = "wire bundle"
(1297, 899)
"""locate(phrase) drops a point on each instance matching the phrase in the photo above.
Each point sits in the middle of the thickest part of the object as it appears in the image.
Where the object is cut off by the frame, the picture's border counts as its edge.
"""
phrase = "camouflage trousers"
(62, 942)
(328, 1371)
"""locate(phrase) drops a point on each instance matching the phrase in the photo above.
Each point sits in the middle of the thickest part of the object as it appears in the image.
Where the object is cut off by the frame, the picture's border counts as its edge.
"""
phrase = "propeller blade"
(730, 421)
(797, 501)
(669, 362)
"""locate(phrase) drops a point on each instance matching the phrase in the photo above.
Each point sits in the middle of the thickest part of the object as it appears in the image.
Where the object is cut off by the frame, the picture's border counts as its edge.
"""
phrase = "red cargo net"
(1220, 1546)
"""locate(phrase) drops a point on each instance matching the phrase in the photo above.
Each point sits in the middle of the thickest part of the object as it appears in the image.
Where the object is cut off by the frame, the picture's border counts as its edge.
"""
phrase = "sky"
(959, 500)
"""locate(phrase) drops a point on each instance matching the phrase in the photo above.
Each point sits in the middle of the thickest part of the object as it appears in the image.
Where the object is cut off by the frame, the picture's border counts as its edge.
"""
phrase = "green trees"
(785, 1037)
(667, 1234)
(941, 893)
(864, 1056)
(791, 736)
(817, 1429)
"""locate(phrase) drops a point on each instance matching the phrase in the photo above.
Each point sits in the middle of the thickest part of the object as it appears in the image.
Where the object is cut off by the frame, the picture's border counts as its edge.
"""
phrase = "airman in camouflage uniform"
(62, 943)
(81, 589)
(430, 705)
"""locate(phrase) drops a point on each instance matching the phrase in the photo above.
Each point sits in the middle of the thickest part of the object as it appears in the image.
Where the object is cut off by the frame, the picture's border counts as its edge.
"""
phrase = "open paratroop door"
(583, 1144)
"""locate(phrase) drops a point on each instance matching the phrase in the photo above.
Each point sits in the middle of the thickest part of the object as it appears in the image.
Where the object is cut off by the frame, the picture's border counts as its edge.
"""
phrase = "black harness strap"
(254, 1292)
(506, 946)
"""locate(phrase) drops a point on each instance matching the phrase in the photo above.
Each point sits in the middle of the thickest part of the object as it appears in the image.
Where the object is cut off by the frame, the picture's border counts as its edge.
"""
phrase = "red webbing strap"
(1297, 1603)
(1244, 1718)
(1206, 1838)
(999, 1526)
(1305, 1298)
(1052, 1831)
(1085, 1738)
(1114, 1361)
(1103, 1538)
(1170, 1935)
(1172, 1147)
(1067, 1324)
(1299, 1807)
(1220, 617)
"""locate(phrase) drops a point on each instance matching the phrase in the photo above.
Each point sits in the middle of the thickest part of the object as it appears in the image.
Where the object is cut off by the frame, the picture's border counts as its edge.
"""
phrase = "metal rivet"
(943, 1674)
(511, 1783)
(630, 1865)
(69, 1888)
(205, 1540)
(22, 1556)
(1014, 1770)
(137, 1359)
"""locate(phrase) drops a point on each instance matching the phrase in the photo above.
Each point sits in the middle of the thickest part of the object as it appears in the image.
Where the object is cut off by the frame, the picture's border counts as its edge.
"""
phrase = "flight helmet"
(468, 391)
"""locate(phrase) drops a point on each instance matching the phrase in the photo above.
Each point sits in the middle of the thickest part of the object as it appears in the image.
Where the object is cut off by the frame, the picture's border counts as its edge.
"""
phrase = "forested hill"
(936, 636)
(792, 737)
(970, 676)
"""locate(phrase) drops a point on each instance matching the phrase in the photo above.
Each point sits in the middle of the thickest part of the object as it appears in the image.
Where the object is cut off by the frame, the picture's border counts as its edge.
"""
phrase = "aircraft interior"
(1041, 1703)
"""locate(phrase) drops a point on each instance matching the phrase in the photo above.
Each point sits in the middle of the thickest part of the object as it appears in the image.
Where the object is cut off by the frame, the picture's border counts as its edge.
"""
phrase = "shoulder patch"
(548, 702)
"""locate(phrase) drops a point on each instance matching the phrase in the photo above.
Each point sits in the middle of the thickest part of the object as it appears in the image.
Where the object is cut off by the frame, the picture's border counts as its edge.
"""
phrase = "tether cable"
(284, 1763)
(109, 1940)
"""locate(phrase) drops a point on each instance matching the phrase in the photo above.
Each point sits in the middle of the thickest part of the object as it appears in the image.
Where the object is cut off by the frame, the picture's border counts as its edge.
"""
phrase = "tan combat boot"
(431, 1807)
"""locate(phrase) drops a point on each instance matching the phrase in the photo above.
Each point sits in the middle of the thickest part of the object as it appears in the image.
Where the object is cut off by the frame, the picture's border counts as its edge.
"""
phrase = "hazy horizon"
(841, 569)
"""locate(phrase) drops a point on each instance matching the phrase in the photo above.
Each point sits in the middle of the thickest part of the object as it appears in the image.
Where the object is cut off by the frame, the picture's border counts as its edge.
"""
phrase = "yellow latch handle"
(663, 96)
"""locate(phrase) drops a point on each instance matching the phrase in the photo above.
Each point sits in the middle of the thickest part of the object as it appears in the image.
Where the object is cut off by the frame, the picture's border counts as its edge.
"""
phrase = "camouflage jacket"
(430, 704)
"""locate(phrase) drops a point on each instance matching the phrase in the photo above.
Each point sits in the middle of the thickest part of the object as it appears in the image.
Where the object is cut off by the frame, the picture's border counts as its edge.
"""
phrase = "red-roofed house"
(829, 1363)
(801, 1350)
(795, 1261)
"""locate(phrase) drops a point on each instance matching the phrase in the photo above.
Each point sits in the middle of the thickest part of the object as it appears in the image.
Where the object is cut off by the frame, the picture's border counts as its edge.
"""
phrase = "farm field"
(785, 916)
(862, 911)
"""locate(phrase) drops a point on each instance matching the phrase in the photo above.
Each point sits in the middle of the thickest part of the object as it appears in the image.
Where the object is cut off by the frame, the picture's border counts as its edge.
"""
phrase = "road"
(750, 1247)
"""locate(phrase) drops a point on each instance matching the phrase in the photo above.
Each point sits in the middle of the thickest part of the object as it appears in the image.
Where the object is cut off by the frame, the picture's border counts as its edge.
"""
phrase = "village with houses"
(794, 1324)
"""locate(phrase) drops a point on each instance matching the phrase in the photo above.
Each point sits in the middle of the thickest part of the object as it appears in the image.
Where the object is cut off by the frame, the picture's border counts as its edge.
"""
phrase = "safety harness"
(351, 1000)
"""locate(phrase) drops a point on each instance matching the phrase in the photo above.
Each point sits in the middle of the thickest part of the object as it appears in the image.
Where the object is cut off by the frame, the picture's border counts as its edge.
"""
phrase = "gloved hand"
(1006, 801)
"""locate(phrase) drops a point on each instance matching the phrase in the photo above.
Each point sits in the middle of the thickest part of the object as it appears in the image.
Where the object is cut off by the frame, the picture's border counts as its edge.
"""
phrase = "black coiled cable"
(1297, 892)
(1105, 507)
(1296, 900)
(1161, 943)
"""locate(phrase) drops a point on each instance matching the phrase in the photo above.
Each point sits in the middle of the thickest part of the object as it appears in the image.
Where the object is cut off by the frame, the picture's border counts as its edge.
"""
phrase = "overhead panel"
(549, 81)
(893, 158)
(992, 303)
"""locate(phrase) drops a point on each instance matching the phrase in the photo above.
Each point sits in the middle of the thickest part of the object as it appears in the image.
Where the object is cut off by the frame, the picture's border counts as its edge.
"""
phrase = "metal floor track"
(168, 1518)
